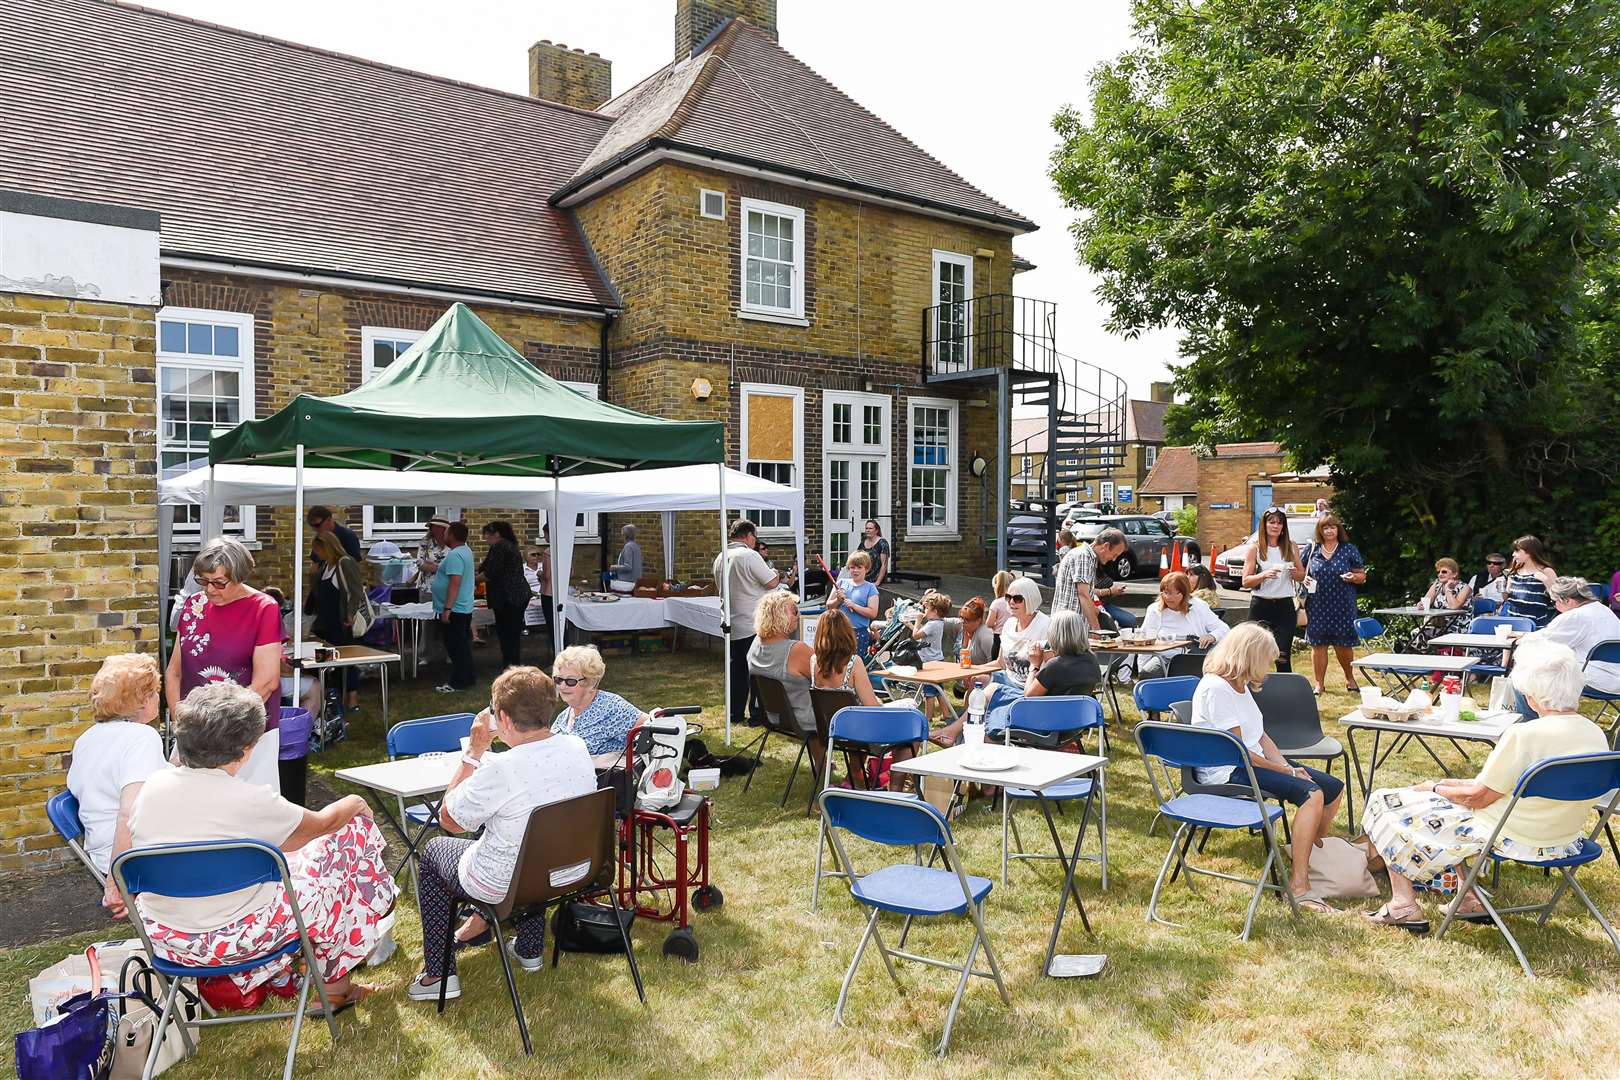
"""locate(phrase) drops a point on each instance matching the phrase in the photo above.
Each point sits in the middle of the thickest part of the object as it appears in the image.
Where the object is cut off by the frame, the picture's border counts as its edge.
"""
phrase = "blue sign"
(1124, 493)
(1223, 506)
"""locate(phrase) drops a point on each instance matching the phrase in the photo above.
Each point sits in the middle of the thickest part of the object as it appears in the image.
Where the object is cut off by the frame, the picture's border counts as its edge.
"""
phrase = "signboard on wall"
(1124, 493)
(1224, 506)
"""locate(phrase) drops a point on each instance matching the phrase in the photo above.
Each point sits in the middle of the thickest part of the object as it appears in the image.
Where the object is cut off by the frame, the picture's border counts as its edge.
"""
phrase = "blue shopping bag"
(76, 1045)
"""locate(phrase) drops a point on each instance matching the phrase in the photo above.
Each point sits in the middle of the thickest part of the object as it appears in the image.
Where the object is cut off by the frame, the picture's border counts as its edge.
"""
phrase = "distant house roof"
(1248, 449)
(1028, 435)
(743, 99)
(1146, 421)
(1175, 473)
(265, 153)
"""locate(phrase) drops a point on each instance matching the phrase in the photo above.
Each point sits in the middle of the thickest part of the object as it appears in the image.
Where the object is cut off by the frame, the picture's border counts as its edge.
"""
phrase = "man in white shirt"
(748, 577)
(1581, 623)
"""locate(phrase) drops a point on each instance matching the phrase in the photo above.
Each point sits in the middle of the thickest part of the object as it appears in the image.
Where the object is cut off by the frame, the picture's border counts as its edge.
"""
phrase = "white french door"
(856, 451)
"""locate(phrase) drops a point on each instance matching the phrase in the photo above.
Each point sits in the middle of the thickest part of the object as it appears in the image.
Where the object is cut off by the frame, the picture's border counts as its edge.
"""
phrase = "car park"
(1227, 567)
(1146, 539)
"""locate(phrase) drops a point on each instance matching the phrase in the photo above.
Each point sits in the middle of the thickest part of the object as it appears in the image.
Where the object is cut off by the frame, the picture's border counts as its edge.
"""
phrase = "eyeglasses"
(569, 680)
(1013, 598)
(217, 584)
(1495, 562)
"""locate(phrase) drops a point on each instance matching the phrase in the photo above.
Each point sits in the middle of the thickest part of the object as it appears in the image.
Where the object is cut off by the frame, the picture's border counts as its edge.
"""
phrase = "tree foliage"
(1388, 233)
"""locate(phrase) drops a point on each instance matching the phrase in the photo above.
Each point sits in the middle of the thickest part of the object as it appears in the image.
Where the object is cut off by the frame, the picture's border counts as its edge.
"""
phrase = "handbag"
(1339, 871)
(76, 1042)
(365, 612)
(588, 928)
(136, 1017)
(1302, 617)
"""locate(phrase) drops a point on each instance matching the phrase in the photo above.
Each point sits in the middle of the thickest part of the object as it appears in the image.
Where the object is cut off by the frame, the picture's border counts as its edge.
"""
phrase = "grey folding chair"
(1572, 778)
(1289, 714)
(908, 889)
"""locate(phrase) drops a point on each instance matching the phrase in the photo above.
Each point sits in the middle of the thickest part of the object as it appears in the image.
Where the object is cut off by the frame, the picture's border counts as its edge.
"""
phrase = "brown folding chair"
(779, 720)
(569, 852)
(826, 702)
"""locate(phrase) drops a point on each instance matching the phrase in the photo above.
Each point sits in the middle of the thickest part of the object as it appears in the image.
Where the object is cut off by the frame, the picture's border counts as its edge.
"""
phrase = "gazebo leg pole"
(722, 583)
(298, 562)
(555, 614)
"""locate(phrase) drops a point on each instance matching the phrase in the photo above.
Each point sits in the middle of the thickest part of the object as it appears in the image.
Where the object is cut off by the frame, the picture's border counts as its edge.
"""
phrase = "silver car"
(1146, 538)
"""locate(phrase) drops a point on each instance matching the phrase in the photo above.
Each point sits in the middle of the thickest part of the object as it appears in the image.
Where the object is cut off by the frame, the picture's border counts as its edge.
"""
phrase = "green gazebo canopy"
(461, 398)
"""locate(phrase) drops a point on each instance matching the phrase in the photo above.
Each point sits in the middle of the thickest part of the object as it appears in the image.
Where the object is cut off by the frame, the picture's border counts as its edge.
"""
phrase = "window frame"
(703, 198)
(370, 531)
(1105, 491)
(1150, 455)
(243, 366)
(954, 258)
(796, 463)
(950, 530)
(745, 207)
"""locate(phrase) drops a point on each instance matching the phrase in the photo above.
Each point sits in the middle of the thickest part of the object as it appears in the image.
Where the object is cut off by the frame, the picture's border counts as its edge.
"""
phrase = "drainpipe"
(602, 393)
(1003, 450)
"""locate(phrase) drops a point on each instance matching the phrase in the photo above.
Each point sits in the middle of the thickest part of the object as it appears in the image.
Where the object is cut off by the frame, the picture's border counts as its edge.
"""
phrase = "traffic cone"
(1175, 557)
(1164, 563)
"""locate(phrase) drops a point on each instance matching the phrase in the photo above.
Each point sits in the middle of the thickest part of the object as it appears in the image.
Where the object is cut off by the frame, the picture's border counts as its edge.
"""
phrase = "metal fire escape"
(1011, 342)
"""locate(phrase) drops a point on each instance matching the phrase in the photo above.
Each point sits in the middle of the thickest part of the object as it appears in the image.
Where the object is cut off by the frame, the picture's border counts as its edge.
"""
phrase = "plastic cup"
(1502, 630)
(973, 735)
(1369, 695)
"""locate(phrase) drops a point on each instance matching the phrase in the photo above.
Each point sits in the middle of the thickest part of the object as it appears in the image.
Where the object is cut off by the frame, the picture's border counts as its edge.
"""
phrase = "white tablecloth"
(625, 613)
(423, 611)
(700, 613)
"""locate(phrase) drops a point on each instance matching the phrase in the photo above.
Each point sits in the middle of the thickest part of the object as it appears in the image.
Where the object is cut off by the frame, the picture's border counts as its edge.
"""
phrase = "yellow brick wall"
(1229, 480)
(78, 535)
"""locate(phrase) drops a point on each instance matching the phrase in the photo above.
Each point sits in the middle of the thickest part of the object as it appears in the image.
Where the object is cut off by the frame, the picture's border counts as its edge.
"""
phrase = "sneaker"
(446, 688)
(527, 963)
(422, 990)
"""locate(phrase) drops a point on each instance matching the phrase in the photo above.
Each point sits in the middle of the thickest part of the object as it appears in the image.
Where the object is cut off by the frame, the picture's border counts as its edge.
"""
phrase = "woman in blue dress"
(1527, 579)
(1334, 567)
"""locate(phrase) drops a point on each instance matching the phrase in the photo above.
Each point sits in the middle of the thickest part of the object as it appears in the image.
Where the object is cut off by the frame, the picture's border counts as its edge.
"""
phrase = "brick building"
(1173, 481)
(731, 238)
(1128, 468)
(1240, 480)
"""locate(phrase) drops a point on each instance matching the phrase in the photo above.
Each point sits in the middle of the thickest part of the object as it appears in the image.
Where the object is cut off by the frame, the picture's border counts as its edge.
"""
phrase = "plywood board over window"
(772, 443)
(770, 427)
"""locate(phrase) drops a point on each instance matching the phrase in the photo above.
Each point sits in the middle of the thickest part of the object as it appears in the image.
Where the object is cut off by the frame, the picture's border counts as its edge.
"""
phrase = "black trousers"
(1279, 617)
(509, 632)
(744, 694)
(458, 643)
(441, 888)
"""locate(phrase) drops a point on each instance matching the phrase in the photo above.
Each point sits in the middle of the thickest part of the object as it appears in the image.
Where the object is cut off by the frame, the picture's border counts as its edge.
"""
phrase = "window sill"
(772, 317)
(933, 537)
(193, 543)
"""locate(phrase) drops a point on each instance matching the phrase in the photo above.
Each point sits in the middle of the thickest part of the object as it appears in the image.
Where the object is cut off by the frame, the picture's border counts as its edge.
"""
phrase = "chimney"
(1161, 391)
(695, 20)
(569, 76)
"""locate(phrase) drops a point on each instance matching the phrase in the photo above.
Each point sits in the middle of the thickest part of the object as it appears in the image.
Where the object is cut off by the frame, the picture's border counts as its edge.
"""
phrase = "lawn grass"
(1323, 996)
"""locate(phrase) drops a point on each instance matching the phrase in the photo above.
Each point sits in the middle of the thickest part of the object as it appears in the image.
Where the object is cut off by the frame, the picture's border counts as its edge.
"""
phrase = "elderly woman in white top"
(1177, 613)
(1426, 832)
(1026, 627)
(112, 760)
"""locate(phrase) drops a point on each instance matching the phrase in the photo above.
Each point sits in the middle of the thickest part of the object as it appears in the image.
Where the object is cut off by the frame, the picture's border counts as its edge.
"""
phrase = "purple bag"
(79, 1046)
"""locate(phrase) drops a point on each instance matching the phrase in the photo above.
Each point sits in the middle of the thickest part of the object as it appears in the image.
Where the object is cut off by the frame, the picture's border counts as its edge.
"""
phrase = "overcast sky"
(974, 84)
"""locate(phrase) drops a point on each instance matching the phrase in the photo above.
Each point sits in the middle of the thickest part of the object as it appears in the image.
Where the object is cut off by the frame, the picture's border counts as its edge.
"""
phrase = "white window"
(712, 204)
(773, 443)
(855, 468)
(1150, 455)
(379, 348)
(772, 259)
(1107, 491)
(931, 485)
(205, 385)
(953, 288)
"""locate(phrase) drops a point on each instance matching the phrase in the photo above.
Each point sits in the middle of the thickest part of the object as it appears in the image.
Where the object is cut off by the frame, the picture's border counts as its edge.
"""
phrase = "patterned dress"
(1332, 607)
(1445, 594)
(1526, 595)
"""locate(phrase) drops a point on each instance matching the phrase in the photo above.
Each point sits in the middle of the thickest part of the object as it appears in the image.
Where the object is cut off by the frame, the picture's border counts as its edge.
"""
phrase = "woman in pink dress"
(228, 632)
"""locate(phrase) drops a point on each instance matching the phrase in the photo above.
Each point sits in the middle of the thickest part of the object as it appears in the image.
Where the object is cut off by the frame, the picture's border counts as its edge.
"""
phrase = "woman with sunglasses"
(228, 631)
(1269, 571)
(601, 718)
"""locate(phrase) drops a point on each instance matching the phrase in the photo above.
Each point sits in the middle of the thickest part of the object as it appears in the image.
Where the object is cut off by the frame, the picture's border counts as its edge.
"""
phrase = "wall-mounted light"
(978, 465)
(701, 389)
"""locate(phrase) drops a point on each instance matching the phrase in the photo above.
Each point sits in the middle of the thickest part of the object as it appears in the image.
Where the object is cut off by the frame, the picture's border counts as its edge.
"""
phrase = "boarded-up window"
(772, 430)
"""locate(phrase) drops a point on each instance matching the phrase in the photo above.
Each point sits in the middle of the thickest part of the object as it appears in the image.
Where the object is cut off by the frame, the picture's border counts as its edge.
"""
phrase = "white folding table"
(1487, 729)
(405, 778)
(349, 656)
(1037, 770)
(1405, 669)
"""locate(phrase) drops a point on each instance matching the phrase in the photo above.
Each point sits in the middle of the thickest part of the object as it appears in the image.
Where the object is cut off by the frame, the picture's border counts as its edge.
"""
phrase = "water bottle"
(973, 726)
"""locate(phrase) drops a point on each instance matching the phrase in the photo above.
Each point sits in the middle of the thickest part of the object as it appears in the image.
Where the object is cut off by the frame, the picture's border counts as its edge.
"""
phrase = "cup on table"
(973, 736)
(1502, 630)
(1369, 695)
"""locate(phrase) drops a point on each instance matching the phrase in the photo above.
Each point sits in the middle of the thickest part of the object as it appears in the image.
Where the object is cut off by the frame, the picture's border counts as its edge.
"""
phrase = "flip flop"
(1478, 915)
(1384, 917)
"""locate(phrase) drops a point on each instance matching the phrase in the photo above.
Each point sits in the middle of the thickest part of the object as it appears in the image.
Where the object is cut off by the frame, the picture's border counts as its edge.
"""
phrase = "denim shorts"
(1293, 789)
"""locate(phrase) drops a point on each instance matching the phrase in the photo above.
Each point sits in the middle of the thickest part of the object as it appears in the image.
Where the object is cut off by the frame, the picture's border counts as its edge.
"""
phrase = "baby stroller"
(658, 820)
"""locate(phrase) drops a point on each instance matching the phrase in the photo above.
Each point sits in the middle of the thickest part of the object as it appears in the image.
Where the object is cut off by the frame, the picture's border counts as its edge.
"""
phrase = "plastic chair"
(826, 703)
(1482, 605)
(1154, 698)
(568, 853)
(1599, 590)
(863, 729)
(780, 719)
(1289, 715)
(1487, 624)
(1187, 747)
(1574, 778)
(1187, 664)
(908, 889)
(412, 738)
(1368, 629)
(63, 811)
(1048, 723)
(215, 868)
(1604, 652)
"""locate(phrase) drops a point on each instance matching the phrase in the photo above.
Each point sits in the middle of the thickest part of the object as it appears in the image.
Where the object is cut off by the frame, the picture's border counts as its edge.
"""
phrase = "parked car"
(1068, 512)
(1228, 567)
(1146, 538)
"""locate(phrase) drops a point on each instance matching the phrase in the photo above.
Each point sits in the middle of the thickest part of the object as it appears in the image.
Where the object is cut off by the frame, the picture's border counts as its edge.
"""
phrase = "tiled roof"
(1248, 449)
(273, 154)
(1175, 473)
(1147, 421)
(747, 100)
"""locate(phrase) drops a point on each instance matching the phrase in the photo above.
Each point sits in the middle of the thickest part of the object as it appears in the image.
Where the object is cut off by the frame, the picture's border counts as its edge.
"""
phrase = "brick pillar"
(78, 464)
(695, 20)
(569, 76)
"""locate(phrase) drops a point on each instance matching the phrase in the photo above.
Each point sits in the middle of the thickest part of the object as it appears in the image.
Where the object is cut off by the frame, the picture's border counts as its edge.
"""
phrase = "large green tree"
(1387, 231)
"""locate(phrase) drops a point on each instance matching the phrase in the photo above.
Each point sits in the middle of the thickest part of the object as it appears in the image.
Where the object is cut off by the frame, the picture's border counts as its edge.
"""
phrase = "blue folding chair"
(63, 811)
(413, 738)
(1047, 723)
(1487, 624)
(1368, 630)
(215, 868)
(863, 729)
(1156, 698)
(1599, 590)
(1573, 778)
(1482, 605)
(908, 889)
(1186, 747)
(1604, 652)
